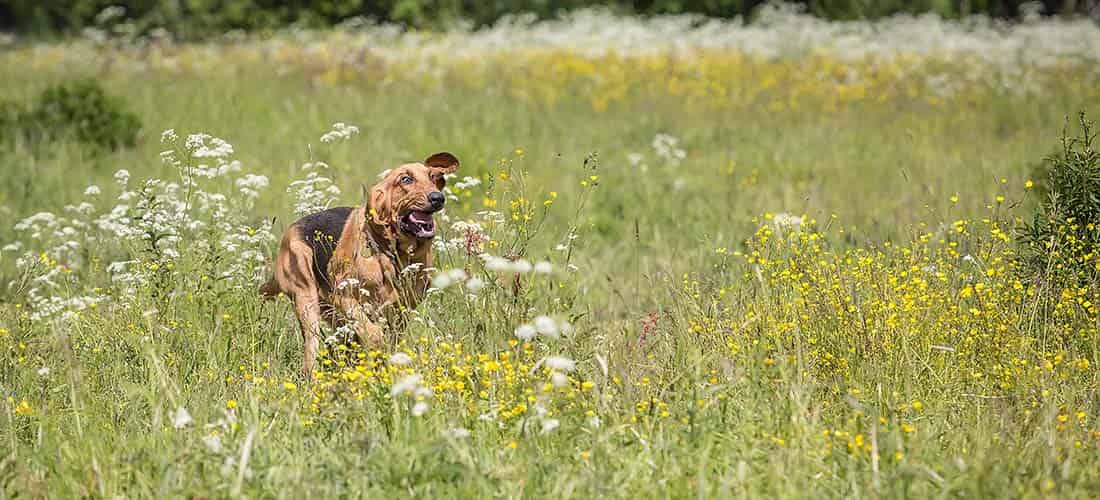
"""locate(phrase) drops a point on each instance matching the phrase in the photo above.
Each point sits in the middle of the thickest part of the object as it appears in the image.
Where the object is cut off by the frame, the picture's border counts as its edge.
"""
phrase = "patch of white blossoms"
(145, 230)
(315, 192)
(340, 131)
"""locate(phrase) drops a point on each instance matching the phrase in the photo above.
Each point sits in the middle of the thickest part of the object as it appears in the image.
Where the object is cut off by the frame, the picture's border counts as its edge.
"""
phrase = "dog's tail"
(270, 290)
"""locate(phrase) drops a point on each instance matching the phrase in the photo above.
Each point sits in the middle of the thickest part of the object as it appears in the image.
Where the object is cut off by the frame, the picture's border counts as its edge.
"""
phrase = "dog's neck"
(402, 251)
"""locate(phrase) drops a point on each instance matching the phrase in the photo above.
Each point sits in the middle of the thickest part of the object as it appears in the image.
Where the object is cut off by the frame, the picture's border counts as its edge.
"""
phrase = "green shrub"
(1062, 240)
(80, 109)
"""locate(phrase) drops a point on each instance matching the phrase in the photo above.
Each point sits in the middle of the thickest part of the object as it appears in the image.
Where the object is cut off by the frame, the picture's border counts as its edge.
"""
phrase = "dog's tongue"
(424, 218)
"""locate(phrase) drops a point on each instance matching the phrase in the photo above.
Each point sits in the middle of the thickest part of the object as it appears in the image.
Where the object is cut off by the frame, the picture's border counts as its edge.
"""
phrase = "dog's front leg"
(369, 334)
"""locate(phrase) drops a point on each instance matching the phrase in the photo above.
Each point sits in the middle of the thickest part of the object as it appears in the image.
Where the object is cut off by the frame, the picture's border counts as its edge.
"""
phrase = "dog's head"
(405, 199)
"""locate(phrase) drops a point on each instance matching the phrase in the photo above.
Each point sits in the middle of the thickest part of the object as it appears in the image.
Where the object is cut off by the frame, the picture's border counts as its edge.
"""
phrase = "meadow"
(681, 258)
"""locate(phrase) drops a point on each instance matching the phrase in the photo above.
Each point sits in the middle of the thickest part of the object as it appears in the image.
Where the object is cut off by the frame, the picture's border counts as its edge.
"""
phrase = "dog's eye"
(407, 179)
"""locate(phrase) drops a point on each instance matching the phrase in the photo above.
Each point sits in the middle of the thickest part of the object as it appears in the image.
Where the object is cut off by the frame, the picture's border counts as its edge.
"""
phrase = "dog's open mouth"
(418, 223)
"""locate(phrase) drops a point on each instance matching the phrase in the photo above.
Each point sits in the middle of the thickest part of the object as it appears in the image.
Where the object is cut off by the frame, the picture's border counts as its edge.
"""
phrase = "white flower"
(122, 176)
(169, 135)
(441, 281)
(44, 371)
(181, 418)
(526, 332)
(559, 379)
(594, 421)
(475, 284)
(521, 266)
(408, 384)
(467, 183)
(400, 359)
(560, 363)
(459, 432)
(546, 326)
(207, 146)
(498, 264)
(92, 190)
(419, 408)
(544, 267)
(444, 280)
(787, 221)
(213, 443)
(549, 424)
(339, 131)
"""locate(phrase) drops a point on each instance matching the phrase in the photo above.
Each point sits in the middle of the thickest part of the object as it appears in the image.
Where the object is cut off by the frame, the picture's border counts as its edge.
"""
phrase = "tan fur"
(368, 290)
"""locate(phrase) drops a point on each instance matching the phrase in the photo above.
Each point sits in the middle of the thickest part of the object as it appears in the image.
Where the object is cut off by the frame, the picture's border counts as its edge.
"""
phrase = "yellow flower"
(24, 408)
(232, 403)
(917, 405)
(1029, 184)
(290, 386)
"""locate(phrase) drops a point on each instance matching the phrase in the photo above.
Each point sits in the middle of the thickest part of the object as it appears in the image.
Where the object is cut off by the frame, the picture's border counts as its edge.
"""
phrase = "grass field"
(781, 262)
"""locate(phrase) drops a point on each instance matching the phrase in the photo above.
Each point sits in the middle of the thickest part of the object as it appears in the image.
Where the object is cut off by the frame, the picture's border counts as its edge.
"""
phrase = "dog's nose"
(436, 199)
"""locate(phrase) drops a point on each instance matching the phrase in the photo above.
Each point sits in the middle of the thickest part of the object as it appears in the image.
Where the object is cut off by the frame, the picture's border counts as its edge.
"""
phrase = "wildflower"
(558, 379)
(231, 404)
(213, 443)
(44, 371)
(497, 264)
(181, 418)
(525, 332)
(24, 408)
(549, 424)
(446, 279)
(458, 432)
(559, 363)
(475, 284)
(92, 190)
(419, 408)
(290, 386)
(546, 326)
(340, 131)
(407, 384)
(400, 359)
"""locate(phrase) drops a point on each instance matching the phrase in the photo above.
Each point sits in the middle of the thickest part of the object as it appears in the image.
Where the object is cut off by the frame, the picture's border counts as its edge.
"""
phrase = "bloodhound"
(360, 267)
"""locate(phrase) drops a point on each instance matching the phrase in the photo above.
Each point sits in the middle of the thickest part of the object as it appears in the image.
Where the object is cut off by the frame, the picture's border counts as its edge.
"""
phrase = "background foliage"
(196, 18)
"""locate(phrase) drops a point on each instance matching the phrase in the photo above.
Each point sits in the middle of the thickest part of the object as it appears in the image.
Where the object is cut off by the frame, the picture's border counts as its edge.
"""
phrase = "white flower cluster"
(667, 148)
(147, 225)
(413, 386)
(518, 266)
(340, 131)
(315, 192)
(545, 326)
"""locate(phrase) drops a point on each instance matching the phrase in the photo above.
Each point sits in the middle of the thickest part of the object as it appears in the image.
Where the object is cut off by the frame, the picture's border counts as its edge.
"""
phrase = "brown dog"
(345, 264)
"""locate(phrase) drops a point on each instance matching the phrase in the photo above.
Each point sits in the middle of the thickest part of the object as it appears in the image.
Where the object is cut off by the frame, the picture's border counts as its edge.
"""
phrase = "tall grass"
(803, 290)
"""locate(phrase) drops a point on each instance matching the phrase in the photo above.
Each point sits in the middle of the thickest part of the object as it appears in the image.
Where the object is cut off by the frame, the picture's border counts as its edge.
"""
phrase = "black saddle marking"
(322, 232)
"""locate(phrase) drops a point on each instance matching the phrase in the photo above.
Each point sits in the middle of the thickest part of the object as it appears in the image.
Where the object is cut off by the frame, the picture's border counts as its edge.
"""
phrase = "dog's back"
(320, 232)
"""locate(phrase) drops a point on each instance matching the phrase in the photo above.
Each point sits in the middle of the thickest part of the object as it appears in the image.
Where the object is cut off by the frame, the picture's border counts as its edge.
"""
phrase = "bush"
(80, 109)
(1061, 242)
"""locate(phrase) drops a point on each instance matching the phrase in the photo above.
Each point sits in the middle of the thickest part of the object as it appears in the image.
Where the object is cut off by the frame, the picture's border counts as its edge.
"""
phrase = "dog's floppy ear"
(379, 210)
(446, 162)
